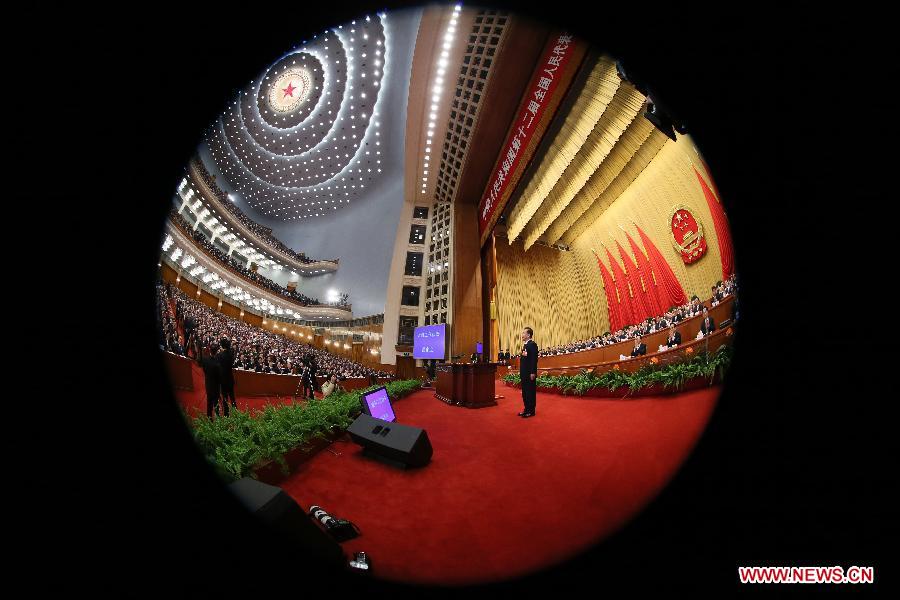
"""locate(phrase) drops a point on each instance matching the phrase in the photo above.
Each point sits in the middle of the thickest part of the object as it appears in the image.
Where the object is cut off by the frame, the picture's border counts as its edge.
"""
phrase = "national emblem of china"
(687, 234)
(289, 90)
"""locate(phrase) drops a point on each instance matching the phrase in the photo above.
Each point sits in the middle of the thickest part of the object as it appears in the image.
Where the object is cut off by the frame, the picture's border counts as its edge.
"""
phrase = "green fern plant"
(236, 444)
(673, 376)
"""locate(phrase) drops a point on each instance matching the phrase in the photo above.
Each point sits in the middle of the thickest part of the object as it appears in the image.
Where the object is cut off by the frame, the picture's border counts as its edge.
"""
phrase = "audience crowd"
(263, 232)
(169, 338)
(673, 316)
(254, 349)
(239, 267)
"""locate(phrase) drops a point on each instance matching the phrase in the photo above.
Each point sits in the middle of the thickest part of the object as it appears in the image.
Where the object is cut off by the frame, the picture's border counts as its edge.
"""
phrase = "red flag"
(720, 222)
(626, 307)
(674, 293)
(710, 177)
(639, 299)
(645, 271)
(615, 321)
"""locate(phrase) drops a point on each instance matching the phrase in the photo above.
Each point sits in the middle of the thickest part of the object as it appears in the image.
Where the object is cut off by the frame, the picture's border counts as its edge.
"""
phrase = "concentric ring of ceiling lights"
(303, 139)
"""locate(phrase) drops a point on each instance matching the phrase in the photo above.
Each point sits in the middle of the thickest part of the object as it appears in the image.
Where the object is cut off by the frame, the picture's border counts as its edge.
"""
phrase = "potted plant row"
(271, 443)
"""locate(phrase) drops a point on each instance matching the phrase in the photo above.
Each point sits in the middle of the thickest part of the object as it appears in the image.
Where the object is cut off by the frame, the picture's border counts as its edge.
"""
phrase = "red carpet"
(504, 496)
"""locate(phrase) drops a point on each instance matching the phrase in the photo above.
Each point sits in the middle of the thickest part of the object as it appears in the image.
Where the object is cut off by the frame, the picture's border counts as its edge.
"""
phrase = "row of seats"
(674, 315)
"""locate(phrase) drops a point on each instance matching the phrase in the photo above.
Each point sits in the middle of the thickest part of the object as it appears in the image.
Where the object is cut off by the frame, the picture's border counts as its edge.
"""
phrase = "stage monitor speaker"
(398, 443)
(280, 512)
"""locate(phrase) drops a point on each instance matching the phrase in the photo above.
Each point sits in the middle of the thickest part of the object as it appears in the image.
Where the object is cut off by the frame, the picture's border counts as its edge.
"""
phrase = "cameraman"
(306, 378)
(212, 377)
(226, 362)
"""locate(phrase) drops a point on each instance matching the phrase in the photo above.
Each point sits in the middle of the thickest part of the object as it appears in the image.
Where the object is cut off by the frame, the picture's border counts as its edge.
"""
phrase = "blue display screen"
(430, 341)
(378, 405)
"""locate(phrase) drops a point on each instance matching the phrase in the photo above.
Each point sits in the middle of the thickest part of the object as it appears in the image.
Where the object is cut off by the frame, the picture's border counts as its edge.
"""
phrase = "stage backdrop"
(560, 294)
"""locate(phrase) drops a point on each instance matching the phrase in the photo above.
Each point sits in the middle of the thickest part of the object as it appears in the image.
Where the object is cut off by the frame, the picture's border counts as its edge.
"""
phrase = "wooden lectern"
(466, 384)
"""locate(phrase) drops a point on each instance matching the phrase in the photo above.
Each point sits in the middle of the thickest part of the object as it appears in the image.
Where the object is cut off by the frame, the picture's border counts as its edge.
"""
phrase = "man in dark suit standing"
(707, 325)
(307, 380)
(226, 362)
(432, 369)
(640, 349)
(190, 325)
(313, 372)
(528, 372)
(206, 358)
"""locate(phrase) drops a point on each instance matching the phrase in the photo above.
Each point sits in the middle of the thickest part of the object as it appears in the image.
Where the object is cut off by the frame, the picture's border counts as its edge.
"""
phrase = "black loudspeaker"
(280, 512)
(403, 444)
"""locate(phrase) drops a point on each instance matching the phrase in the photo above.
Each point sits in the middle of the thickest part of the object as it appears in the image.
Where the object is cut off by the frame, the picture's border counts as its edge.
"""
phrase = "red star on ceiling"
(289, 90)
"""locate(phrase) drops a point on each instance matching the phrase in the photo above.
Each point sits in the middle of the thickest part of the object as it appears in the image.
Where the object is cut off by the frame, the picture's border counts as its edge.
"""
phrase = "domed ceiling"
(303, 139)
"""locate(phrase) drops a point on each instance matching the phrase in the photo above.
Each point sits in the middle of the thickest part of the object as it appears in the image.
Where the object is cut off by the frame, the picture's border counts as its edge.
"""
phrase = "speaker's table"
(466, 384)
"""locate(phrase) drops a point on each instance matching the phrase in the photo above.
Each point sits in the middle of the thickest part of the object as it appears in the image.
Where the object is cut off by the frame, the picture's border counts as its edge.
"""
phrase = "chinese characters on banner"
(539, 92)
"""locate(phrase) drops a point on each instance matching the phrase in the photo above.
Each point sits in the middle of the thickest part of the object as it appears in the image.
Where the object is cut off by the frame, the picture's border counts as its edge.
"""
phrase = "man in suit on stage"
(674, 338)
(707, 325)
(528, 372)
(431, 369)
(640, 349)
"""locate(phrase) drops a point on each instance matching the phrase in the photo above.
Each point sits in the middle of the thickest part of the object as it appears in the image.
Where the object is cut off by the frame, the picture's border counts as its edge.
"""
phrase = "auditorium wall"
(560, 293)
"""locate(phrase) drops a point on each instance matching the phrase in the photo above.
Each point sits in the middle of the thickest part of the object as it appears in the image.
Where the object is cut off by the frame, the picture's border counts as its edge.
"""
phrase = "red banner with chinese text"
(539, 95)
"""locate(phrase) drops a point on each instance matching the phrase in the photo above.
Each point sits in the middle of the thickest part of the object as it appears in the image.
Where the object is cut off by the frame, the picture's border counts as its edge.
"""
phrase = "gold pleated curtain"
(603, 170)
(587, 110)
(649, 201)
(575, 224)
(619, 114)
(560, 294)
